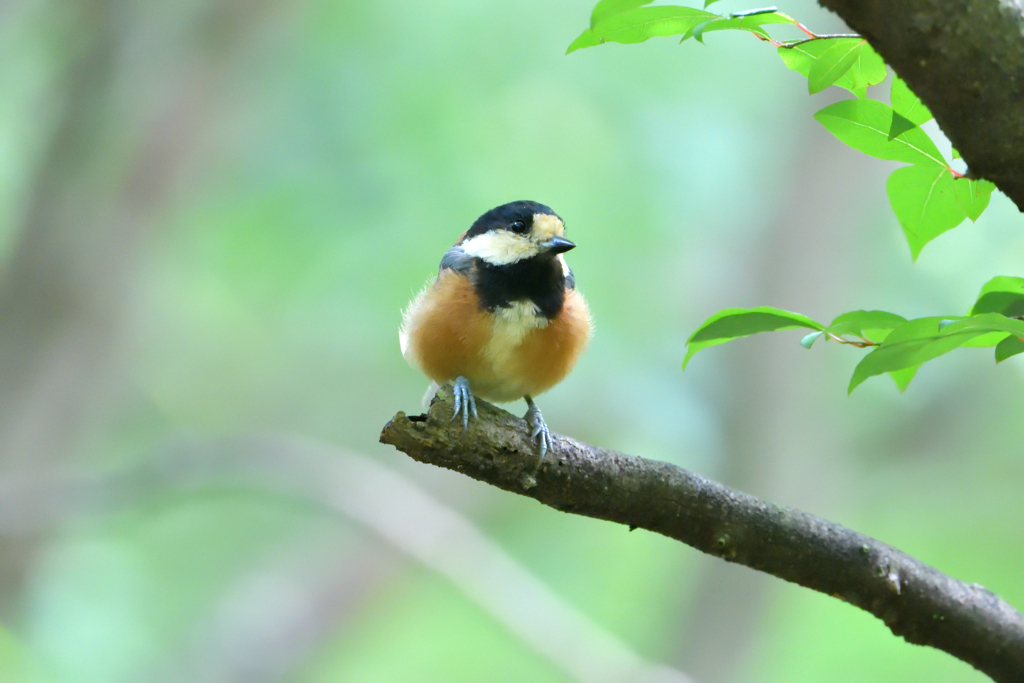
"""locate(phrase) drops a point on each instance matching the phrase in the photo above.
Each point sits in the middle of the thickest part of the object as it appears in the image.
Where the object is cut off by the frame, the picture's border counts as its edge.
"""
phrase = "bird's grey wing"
(456, 259)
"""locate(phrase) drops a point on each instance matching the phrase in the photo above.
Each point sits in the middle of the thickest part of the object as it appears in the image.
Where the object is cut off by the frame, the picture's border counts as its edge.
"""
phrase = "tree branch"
(915, 601)
(965, 60)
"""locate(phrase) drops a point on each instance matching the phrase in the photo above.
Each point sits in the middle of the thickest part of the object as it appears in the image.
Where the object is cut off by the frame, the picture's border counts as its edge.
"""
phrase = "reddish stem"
(806, 30)
(859, 344)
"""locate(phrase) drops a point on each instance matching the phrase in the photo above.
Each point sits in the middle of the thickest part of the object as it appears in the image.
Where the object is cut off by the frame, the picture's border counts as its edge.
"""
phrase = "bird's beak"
(558, 245)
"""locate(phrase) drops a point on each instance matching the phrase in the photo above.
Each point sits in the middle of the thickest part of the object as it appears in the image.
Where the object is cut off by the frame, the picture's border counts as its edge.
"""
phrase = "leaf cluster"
(898, 346)
(928, 197)
(633, 21)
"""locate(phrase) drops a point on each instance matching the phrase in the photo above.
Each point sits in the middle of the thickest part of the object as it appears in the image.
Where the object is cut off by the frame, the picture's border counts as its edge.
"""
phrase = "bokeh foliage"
(232, 202)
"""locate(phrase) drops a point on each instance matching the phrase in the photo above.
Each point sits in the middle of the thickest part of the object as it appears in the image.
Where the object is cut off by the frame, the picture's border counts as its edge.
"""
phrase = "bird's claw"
(464, 402)
(538, 431)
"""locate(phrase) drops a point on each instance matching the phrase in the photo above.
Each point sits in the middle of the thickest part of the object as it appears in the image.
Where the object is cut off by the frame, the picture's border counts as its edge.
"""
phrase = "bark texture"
(915, 601)
(965, 60)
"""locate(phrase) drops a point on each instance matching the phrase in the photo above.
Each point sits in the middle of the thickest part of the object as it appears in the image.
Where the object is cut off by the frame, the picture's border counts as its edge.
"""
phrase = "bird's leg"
(538, 429)
(464, 401)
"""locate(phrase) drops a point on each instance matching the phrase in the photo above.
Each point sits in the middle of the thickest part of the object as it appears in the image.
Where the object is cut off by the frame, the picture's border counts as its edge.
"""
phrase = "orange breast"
(448, 335)
(548, 354)
(446, 330)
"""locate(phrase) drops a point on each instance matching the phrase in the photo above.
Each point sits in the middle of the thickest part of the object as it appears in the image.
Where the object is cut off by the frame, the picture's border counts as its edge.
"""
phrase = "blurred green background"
(211, 216)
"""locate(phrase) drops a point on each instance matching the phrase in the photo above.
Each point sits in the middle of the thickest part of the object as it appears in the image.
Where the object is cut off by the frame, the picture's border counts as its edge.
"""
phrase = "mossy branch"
(915, 601)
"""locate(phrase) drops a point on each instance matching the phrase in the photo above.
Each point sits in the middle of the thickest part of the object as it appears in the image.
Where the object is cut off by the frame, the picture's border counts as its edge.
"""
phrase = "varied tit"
(503, 319)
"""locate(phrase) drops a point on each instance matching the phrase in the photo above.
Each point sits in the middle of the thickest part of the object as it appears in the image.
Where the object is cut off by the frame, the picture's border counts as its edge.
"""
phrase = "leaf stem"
(806, 30)
(864, 343)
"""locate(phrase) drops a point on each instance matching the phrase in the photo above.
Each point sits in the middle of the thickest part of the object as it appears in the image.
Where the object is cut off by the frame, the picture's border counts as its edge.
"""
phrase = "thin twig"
(817, 36)
(915, 601)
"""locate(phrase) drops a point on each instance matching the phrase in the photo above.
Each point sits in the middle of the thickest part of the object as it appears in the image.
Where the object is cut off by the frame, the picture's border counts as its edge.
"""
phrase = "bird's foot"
(464, 402)
(538, 430)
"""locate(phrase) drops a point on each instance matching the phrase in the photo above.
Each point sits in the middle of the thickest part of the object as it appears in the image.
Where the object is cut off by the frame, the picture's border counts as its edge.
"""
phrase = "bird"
(503, 319)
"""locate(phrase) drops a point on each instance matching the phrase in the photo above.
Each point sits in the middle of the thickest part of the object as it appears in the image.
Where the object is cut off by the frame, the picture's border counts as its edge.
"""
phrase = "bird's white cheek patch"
(500, 247)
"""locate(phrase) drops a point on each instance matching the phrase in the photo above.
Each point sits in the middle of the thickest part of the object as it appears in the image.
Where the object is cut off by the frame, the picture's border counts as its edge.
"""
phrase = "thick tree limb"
(915, 601)
(965, 60)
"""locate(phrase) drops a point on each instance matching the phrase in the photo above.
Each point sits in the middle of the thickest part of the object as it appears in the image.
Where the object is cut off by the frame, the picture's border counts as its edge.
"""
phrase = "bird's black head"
(517, 248)
(515, 232)
(515, 216)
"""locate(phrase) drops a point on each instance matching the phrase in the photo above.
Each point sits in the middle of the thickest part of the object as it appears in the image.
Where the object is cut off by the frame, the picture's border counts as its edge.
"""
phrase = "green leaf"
(867, 69)
(973, 195)
(899, 368)
(609, 8)
(832, 64)
(1009, 347)
(907, 104)
(865, 124)
(910, 111)
(956, 154)
(586, 39)
(987, 322)
(748, 22)
(903, 377)
(641, 23)
(988, 339)
(872, 325)
(1002, 294)
(697, 32)
(900, 125)
(808, 341)
(801, 57)
(924, 200)
(918, 341)
(731, 323)
(707, 3)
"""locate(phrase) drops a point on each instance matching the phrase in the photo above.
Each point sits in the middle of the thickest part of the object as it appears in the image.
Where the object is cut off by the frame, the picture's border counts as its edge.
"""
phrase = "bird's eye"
(517, 226)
